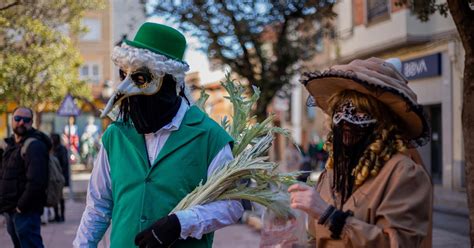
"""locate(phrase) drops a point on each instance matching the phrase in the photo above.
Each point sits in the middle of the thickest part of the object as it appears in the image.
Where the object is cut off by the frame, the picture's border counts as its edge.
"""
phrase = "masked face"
(149, 113)
(135, 81)
(353, 124)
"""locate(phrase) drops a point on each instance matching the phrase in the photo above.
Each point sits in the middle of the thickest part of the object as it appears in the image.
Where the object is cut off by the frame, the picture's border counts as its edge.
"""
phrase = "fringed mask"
(352, 133)
(347, 112)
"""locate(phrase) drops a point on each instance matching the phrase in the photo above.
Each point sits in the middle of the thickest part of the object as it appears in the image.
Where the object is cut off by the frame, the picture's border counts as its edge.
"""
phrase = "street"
(61, 235)
(236, 236)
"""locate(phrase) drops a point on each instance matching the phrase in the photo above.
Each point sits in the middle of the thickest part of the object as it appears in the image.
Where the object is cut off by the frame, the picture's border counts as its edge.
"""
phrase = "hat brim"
(144, 46)
(323, 86)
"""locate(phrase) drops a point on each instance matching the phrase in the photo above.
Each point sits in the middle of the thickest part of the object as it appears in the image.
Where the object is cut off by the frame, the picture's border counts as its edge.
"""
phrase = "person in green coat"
(157, 151)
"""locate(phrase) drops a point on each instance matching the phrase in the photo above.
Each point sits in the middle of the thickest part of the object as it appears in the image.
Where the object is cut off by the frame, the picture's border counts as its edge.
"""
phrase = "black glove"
(162, 233)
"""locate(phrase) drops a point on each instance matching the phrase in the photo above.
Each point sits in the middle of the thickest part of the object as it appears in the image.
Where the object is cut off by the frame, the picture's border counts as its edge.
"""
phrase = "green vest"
(142, 194)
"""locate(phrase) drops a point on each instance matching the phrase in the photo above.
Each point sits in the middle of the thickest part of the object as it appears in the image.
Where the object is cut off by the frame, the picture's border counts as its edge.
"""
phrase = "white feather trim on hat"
(158, 64)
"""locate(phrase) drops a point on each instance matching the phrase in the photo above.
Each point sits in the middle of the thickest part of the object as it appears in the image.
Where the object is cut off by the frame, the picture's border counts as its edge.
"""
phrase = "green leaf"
(252, 141)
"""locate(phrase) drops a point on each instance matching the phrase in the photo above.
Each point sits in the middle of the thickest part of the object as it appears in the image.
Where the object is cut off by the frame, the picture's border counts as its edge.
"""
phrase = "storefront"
(431, 78)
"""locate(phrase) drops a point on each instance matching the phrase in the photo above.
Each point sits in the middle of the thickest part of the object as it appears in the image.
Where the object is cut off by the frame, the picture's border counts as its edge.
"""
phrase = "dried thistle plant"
(251, 143)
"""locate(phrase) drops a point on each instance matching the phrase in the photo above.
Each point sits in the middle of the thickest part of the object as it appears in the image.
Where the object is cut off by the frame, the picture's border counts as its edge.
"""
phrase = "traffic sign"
(68, 107)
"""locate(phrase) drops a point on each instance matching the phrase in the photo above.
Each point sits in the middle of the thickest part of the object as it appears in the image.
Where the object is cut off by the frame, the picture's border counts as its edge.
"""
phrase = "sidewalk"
(54, 234)
(450, 202)
(61, 235)
(237, 236)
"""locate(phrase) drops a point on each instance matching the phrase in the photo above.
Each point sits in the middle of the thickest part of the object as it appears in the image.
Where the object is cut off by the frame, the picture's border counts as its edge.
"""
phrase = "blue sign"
(428, 66)
(68, 107)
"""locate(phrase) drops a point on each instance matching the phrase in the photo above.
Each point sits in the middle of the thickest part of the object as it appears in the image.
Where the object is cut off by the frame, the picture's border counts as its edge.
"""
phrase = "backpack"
(56, 181)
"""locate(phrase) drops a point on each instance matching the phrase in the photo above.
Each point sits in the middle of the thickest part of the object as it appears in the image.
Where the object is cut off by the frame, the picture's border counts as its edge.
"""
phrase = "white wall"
(437, 24)
(344, 20)
(127, 17)
(296, 111)
(400, 28)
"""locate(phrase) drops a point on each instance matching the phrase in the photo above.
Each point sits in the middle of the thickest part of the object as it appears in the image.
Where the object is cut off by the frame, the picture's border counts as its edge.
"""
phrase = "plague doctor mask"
(152, 59)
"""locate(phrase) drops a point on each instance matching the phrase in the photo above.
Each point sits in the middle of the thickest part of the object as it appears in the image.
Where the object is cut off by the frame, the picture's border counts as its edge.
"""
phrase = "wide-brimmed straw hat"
(377, 78)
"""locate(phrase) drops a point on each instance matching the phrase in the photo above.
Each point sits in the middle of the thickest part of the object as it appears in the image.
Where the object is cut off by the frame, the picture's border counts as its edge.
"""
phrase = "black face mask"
(346, 157)
(150, 113)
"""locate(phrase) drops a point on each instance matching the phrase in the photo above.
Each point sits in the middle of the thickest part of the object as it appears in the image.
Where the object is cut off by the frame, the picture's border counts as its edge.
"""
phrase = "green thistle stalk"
(251, 144)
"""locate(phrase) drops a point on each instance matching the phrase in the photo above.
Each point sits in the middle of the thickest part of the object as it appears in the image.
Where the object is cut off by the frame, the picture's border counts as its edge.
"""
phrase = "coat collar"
(186, 132)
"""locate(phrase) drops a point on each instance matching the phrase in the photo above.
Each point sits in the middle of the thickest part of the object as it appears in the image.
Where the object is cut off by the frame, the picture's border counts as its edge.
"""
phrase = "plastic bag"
(283, 233)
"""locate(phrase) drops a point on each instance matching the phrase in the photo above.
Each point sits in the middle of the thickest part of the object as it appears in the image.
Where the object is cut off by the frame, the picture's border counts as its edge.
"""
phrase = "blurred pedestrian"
(317, 154)
(71, 138)
(372, 194)
(60, 151)
(23, 180)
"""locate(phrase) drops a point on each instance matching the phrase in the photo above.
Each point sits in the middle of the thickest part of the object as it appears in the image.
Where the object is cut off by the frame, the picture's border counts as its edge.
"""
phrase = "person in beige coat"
(372, 193)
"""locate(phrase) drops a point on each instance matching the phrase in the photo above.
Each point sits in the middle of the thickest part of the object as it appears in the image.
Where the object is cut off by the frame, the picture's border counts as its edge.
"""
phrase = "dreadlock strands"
(385, 151)
(400, 145)
(359, 179)
(365, 171)
(376, 146)
(330, 163)
(326, 146)
(371, 156)
(385, 134)
(357, 169)
(374, 172)
(367, 162)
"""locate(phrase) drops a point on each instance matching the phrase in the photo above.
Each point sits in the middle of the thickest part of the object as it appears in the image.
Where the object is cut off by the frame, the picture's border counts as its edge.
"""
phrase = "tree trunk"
(468, 132)
(463, 17)
(37, 120)
(265, 99)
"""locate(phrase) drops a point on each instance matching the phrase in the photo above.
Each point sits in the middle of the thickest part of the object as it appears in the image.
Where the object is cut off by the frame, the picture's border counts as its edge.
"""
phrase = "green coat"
(142, 193)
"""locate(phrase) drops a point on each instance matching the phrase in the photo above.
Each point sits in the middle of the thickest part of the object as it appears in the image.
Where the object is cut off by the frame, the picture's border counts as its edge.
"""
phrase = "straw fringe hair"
(387, 140)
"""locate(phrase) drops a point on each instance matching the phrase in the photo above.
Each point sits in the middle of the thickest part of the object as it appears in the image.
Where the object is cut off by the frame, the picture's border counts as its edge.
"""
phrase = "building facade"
(106, 28)
(432, 61)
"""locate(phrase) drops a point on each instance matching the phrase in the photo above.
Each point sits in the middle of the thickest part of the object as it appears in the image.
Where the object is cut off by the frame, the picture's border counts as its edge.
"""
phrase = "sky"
(197, 60)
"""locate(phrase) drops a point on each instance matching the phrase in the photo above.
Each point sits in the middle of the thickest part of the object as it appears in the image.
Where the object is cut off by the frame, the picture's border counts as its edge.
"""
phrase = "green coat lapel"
(137, 140)
(185, 134)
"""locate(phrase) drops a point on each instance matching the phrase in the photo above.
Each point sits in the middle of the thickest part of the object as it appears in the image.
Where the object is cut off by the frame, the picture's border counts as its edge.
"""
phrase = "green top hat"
(160, 39)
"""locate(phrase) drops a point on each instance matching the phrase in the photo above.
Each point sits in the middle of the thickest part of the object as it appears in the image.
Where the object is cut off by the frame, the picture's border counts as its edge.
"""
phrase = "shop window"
(90, 72)
(319, 42)
(93, 29)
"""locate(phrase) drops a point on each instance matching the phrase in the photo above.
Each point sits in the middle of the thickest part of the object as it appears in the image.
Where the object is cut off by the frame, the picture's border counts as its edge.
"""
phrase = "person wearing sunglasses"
(23, 180)
(156, 152)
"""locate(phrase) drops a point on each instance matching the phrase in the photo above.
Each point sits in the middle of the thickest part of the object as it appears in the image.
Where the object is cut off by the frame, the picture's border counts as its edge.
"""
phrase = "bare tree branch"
(261, 40)
(10, 5)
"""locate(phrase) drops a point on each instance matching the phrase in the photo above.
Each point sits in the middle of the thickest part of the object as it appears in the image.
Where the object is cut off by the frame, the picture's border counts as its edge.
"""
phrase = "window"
(377, 9)
(319, 41)
(93, 29)
(90, 72)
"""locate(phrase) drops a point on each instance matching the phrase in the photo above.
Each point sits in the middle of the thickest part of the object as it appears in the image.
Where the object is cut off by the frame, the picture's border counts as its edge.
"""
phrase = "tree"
(38, 61)
(463, 15)
(262, 41)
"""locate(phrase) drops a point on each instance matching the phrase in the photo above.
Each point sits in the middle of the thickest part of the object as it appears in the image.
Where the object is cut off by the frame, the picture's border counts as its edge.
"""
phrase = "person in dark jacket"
(23, 180)
(60, 151)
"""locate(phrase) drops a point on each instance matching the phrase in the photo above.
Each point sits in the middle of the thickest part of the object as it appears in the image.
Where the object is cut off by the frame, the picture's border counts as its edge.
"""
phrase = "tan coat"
(394, 209)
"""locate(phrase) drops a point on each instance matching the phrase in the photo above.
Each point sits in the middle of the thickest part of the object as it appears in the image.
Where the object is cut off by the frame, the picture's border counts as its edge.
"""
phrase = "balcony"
(395, 30)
